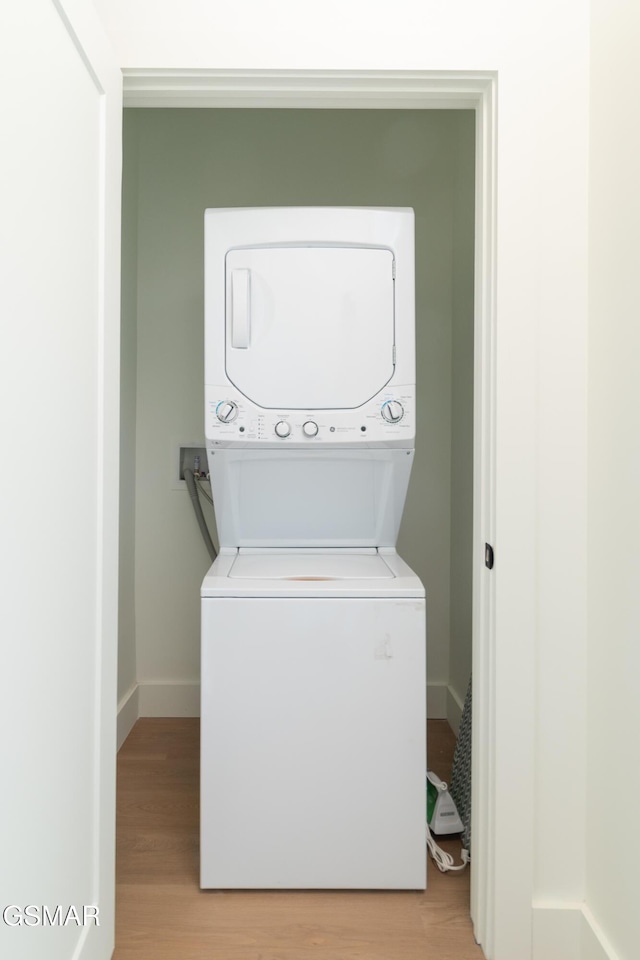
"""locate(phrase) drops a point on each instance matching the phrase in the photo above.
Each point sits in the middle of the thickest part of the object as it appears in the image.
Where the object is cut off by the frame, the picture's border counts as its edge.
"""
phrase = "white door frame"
(501, 898)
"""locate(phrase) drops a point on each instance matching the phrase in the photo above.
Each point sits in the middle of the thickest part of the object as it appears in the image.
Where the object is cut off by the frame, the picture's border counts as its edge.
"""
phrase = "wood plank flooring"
(163, 915)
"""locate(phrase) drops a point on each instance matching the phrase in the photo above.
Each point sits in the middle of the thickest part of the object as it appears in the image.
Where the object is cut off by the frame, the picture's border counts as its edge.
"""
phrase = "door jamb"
(304, 89)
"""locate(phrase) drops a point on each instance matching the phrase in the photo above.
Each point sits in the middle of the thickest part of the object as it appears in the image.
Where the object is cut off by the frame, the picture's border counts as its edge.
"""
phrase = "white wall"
(188, 160)
(539, 49)
(613, 777)
(59, 343)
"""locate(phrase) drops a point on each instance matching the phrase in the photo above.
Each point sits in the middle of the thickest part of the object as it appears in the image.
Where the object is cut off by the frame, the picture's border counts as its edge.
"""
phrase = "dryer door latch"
(488, 556)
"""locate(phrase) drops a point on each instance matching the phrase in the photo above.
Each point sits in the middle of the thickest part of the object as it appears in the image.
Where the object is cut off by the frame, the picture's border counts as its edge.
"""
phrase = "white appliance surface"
(311, 573)
(313, 743)
(313, 753)
(319, 321)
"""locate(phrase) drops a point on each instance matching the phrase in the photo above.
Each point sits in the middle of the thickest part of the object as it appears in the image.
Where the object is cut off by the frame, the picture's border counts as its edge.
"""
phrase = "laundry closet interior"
(179, 162)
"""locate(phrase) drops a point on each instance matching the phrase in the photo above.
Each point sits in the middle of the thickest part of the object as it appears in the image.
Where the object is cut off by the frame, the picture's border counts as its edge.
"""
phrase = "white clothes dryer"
(313, 754)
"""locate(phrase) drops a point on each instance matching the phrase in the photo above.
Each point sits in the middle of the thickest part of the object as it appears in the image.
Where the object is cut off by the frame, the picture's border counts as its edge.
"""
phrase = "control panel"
(387, 420)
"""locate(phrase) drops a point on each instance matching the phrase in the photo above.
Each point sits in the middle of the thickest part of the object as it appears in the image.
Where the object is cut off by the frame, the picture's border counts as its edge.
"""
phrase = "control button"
(283, 429)
(392, 411)
(310, 428)
(226, 411)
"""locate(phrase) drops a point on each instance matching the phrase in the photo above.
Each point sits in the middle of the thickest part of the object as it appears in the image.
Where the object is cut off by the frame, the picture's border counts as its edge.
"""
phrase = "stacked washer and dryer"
(313, 752)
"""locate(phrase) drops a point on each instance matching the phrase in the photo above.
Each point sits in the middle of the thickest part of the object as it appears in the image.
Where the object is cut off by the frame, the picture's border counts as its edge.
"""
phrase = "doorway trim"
(493, 697)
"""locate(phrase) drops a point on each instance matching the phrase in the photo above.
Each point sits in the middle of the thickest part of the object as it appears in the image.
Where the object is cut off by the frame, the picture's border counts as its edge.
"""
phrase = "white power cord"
(443, 860)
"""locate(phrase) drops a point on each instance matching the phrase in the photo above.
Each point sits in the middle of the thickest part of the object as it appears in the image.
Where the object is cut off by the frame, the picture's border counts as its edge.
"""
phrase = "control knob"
(227, 411)
(282, 428)
(310, 428)
(392, 411)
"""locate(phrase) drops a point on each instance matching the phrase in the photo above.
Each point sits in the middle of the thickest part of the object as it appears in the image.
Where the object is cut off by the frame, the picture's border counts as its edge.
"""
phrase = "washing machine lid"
(320, 498)
(309, 326)
(303, 565)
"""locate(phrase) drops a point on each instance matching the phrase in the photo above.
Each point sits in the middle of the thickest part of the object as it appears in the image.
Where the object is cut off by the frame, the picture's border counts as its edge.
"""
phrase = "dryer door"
(309, 327)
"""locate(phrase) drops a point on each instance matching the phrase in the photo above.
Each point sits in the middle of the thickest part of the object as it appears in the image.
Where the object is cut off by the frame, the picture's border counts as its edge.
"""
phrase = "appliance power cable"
(443, 860)
(192, 487)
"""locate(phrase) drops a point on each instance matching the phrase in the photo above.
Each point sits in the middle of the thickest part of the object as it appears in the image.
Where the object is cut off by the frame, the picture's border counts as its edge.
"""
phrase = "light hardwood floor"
(163, 915)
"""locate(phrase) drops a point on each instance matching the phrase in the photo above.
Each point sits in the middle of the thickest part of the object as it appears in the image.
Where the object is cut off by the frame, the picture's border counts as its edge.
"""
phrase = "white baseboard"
(595, 945)
(128, 713)
(169, 698)
(455, 705)
(568, 931)
(556, 931)
(181, 698)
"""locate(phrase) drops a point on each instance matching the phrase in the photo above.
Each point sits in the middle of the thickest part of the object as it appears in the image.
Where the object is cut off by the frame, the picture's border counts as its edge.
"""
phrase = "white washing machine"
(313, 723)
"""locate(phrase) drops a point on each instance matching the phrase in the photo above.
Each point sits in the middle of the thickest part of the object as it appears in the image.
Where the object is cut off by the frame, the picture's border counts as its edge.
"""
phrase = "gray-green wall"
(128, 383)
(462, 356)
(188, 160)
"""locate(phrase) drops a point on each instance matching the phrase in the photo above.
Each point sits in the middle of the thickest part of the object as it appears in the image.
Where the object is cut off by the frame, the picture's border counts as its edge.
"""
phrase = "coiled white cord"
(443, 860)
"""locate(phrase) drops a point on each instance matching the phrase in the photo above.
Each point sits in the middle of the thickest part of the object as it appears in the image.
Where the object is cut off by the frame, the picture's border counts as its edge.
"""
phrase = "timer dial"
(310, 428)
(227, 411)
(392, 411)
